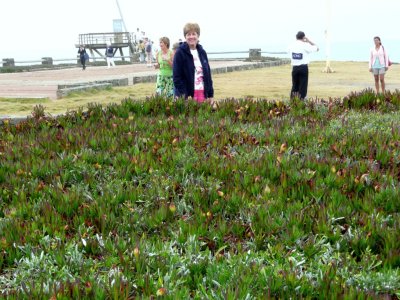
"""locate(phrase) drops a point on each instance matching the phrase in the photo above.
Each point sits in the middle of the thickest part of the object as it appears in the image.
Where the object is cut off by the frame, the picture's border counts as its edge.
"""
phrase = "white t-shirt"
(198, 71)
(299, 52)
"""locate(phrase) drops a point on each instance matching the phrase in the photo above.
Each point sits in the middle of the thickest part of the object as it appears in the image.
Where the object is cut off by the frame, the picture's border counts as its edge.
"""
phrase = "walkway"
(45, 84)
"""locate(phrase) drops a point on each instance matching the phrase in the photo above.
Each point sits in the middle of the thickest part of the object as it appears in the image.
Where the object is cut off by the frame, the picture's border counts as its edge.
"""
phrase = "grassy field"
(251, 200)
(270, 83)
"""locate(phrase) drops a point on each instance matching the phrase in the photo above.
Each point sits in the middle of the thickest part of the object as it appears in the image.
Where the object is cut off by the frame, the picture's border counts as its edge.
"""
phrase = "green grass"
(250, 200)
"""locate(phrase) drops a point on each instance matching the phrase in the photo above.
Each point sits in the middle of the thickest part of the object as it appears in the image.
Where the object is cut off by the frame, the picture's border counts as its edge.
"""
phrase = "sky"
(50, 28)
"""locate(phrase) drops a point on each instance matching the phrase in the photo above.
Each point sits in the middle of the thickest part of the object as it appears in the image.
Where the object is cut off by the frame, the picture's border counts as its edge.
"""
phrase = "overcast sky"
(39, 28)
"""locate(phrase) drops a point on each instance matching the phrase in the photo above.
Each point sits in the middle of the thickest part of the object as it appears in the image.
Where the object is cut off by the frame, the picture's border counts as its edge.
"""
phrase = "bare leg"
(376, 77)
(382, 79)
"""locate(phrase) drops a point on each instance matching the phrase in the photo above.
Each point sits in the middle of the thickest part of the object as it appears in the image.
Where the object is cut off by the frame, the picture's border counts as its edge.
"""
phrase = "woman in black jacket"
(191, 69)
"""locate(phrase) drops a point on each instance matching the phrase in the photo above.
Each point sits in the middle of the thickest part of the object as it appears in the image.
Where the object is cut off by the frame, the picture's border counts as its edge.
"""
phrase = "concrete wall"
(65, 89)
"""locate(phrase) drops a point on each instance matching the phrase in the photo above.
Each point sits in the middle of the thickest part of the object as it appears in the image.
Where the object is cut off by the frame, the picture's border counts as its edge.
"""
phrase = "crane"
(122, 18)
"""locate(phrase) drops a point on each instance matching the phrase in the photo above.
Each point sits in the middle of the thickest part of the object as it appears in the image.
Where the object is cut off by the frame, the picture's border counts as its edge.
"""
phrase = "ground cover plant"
(241, 200)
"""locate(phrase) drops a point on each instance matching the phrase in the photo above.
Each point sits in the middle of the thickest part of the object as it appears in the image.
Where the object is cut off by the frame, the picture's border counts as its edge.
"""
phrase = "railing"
(223, 55)
(89, 39)
(46, 61)
(251, 54)
(246, 52)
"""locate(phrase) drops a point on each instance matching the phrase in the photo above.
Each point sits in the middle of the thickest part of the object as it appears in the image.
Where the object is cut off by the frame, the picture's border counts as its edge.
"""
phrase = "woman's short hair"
(165, 40)
(189, 27)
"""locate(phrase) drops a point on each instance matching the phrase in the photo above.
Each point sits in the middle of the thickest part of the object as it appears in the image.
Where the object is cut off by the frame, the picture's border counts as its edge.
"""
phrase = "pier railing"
(101, 39)
(251, 54)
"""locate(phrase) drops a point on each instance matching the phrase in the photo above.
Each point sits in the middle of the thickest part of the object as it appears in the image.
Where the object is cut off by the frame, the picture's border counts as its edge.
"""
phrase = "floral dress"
(165, 84)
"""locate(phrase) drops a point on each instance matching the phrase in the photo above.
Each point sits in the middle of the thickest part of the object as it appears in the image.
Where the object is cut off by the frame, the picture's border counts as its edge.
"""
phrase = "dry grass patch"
(275, 83)
(270, 83)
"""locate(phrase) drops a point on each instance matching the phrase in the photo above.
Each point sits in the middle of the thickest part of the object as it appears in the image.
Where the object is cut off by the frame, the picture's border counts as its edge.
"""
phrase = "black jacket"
(82, 52)
(183, 72)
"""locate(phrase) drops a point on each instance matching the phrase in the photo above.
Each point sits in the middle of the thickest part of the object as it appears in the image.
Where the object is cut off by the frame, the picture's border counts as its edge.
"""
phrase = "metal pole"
(328, 68)
(122, 18)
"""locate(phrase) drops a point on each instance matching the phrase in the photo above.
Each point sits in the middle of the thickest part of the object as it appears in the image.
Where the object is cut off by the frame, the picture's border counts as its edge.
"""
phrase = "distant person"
(83, 56)
(175, 47)
(191, 69)
(378, 64)
(142, 52)
(110, 55)
(137, 35)
(299, 52)
(149, 52)
(164, 59)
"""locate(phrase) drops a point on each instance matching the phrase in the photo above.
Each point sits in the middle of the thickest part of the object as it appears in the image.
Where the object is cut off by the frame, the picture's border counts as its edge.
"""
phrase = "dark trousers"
(83, 62)
(299, 81)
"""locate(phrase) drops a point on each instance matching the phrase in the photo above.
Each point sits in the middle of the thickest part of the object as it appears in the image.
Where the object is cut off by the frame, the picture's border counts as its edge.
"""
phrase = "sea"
(338, 51)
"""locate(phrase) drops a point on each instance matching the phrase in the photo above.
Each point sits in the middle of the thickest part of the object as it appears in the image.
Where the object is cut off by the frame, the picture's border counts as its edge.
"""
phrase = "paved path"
(44, 84)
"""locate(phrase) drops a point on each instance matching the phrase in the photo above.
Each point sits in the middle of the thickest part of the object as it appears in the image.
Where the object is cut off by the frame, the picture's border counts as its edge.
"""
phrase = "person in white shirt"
(110, 55)
(299, 52)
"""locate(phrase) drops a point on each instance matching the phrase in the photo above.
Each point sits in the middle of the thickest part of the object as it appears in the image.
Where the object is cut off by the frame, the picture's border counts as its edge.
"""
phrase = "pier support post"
(47, 61)
(254, 54)
(8, 62)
